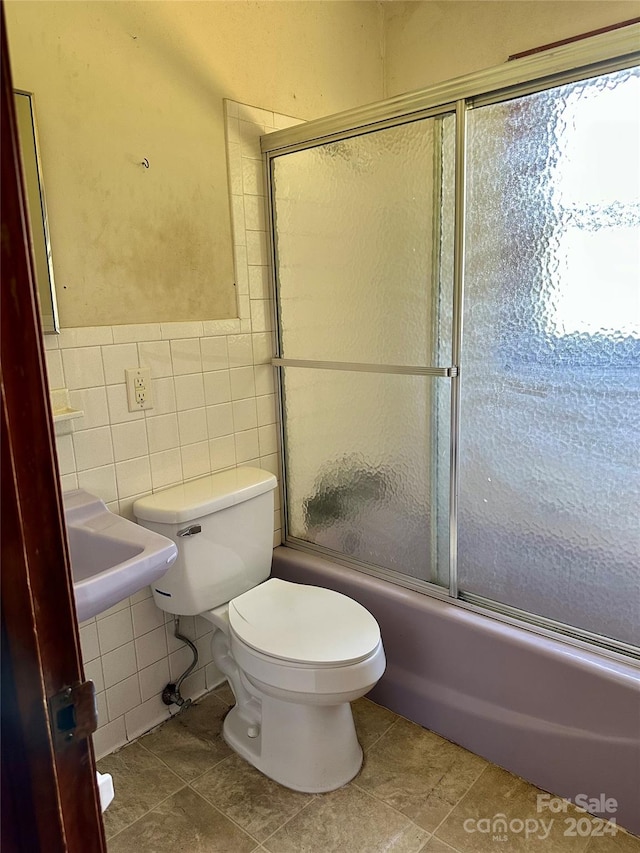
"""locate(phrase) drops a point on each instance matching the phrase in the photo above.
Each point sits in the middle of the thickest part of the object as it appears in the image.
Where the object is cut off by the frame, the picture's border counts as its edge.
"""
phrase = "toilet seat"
(303, 626)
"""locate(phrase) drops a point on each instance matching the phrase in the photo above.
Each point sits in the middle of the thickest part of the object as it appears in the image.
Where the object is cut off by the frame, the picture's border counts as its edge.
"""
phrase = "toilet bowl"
(295, 655)
(301, 733)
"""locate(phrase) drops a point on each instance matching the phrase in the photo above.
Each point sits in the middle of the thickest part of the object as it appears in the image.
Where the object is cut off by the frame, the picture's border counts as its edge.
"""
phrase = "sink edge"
(100, 590)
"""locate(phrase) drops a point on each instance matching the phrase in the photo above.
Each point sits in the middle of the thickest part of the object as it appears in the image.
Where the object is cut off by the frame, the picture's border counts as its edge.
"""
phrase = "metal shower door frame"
(597, 55)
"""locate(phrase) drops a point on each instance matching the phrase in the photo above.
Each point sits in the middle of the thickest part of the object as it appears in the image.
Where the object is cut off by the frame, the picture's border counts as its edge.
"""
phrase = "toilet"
(295, 655)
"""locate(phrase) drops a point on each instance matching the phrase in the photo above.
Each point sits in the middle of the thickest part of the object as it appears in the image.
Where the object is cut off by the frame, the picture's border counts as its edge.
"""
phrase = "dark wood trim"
(553, 44)
(51, 801)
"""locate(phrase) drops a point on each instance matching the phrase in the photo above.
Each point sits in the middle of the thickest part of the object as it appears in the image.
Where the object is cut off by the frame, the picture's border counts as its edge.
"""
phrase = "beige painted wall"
(427, 42)
(116, 82)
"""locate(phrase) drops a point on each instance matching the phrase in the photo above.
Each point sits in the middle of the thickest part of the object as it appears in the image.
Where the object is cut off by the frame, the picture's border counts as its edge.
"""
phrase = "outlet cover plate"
(138, 382)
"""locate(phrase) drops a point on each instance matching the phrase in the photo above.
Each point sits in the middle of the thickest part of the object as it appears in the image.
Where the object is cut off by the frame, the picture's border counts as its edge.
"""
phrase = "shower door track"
(612, 51)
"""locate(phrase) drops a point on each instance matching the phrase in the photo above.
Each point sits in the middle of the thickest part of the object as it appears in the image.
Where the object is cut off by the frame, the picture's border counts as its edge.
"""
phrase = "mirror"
(32, 173)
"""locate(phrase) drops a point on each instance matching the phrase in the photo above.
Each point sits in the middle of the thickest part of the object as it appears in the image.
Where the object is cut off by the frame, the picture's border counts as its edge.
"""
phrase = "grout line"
(226, 816)
(184, 784)
(372, 796)
(444, 844)
(159, 803)
(244, 829)
(432, 833)
(379, 738)
(314, 797)
(146, 749)
(204, 799)
(204, 773)
(459, 800)
(175, 773)
(489, 763)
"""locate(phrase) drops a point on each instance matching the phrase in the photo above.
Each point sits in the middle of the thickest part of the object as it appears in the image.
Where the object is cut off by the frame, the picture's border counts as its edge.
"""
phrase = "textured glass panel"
(358, 224)
(548, 514)
(362, 464)
(445, 241)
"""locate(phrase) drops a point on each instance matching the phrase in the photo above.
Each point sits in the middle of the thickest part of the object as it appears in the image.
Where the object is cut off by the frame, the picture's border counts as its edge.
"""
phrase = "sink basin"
(111, 557)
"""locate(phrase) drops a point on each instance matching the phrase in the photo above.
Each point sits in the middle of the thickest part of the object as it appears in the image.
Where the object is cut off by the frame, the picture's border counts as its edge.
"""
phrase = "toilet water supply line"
(171, 693)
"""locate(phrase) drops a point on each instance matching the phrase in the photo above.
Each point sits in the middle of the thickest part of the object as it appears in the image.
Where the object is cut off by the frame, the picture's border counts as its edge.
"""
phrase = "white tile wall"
(214, 408)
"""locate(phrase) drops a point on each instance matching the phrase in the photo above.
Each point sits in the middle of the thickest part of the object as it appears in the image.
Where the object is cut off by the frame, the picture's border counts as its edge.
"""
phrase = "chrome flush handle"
(190, 531)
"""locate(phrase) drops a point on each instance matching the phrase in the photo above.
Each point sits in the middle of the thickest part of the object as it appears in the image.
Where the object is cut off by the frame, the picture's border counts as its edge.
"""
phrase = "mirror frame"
(37, 209)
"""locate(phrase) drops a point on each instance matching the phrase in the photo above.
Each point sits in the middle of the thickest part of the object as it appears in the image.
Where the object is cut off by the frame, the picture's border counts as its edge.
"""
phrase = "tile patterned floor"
(181, 788)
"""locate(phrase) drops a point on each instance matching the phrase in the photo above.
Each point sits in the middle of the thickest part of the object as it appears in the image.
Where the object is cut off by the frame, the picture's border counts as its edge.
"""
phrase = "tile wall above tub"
(213, 406)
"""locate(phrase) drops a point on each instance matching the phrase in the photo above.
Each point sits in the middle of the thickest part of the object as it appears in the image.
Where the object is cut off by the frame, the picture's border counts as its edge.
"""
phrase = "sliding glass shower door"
(458, 296)
(550, 427)
(363, 252)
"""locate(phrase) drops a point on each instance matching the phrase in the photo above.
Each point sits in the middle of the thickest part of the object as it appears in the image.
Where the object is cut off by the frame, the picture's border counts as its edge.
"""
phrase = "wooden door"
(49, 793)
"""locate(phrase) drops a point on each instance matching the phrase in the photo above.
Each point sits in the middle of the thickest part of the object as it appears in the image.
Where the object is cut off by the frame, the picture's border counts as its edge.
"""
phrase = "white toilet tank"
(223, 527)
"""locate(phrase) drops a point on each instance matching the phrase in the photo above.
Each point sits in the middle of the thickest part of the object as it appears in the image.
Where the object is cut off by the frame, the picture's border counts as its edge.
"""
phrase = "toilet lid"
(304, 624)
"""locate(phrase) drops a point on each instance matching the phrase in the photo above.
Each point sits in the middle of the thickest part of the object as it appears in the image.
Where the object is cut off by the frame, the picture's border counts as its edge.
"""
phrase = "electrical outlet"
(138, 381)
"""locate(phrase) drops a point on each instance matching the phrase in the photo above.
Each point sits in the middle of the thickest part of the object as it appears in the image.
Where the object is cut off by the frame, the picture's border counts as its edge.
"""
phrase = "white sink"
(111, 557)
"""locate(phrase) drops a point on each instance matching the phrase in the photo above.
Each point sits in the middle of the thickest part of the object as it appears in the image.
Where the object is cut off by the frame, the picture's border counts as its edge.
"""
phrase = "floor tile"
(225, 693)
(183, 822)
(418, 773)
(619, 843)
(347, 821)
(182, 788)
(140, 781)
(257, 804)
(191, 743)
(434, 845)
(473, 824)
(371, 721)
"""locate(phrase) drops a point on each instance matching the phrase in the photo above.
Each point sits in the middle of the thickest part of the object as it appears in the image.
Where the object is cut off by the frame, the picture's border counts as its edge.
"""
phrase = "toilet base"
(310, 748)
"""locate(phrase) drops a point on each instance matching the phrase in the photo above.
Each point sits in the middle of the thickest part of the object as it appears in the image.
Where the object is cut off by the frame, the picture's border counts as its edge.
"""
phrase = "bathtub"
(564, 718)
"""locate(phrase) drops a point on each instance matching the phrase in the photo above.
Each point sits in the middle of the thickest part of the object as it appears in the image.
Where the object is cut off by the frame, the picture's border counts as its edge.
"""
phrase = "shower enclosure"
(458, 316)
